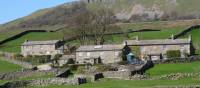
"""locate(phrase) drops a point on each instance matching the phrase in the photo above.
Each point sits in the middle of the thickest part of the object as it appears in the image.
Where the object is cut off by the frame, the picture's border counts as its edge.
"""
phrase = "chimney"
(26, 40)
(137, 38)
(126, 43)
(190, 38)
(172, 36)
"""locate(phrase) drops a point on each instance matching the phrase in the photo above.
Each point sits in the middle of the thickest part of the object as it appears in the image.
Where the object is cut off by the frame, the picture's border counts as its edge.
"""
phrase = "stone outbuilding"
(95, 54)
(65, 59)
(157, 49)
(51, 47)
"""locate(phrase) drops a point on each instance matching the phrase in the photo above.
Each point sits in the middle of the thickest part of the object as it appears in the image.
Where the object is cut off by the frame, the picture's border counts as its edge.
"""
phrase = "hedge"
(173, 53)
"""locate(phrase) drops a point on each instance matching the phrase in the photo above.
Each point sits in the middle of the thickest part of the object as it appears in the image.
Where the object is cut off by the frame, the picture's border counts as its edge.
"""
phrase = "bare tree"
(91, 25)
(102, 23)
(81, 24)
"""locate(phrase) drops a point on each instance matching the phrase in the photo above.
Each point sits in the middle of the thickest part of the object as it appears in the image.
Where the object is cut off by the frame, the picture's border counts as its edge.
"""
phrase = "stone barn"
(51, 47)
(157, 49)
(95, 54)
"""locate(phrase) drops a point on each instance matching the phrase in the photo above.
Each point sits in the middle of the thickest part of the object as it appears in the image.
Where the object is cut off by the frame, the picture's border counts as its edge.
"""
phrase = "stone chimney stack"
(137, 38)
(26, 40)
(190, 38)
(172, 37)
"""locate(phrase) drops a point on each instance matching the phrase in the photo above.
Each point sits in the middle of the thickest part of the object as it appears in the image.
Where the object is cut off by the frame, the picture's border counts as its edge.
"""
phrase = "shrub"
(102, 68)
(80, 69)
(56, 58)
(36, 59)
(136, 51)
(1, 54)
(173, 53)
(70, 61)
(122, 63)
(18, 56)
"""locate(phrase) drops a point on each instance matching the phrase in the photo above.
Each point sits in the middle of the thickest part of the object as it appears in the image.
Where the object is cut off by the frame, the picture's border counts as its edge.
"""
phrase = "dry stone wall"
(9, 58)
(27, 73)
(45, 82)
(57, 81)
(118, 74)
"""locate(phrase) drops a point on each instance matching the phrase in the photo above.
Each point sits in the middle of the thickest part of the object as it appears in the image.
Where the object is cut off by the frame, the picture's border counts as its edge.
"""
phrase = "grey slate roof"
(100, 48)
(157, 42)
(50, 42)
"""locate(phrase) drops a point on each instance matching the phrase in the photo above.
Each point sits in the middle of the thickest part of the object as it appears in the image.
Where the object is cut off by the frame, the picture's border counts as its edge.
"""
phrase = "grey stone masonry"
(52, 47)
(45, 82)
(118, 74)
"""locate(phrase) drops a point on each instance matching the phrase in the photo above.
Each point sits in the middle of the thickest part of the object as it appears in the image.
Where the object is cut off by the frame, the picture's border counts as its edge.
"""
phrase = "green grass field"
(163, 34)
(195, 38)
(162, 69)
(8, 67)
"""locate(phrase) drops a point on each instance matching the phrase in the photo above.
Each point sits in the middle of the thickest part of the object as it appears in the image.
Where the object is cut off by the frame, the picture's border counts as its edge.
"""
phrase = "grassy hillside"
(62, 14)
(8, 67)
(59, 16)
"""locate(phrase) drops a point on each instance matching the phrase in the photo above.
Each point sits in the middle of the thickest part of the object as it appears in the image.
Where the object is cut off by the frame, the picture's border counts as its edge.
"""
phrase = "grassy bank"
(8, 67)
(162, 69)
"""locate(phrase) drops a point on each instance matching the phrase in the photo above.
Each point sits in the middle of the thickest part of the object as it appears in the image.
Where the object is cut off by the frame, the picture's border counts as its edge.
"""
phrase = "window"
(80, 54)
(116, 53)
(88, 53)
(182, 46)
(101, 53)
(164, 47)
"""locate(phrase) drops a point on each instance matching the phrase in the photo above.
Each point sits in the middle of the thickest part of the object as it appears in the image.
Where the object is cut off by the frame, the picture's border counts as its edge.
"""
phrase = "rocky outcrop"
(100, 1)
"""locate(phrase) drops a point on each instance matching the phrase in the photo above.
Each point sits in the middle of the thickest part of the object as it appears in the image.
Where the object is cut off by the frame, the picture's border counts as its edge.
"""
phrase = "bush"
(122, 63)
(18, 57)
(70, 61)
(102, 68)
(37, 59)
(173, 53)
(80, 70)
(56, 58)
(135, 50)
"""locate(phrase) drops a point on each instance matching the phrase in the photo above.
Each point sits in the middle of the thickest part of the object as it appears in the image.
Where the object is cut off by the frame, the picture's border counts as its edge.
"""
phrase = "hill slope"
(128, 10)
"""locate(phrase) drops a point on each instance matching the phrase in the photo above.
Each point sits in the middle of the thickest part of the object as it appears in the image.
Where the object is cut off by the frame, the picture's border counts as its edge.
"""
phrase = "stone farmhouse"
(52, 47)
(157, 49)
(95, 54)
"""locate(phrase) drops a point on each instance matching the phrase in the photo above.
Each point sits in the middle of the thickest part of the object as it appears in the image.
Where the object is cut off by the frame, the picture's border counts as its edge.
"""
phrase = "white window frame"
(88, 54)
(116, 53)
(80, 54)
(101, 53)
